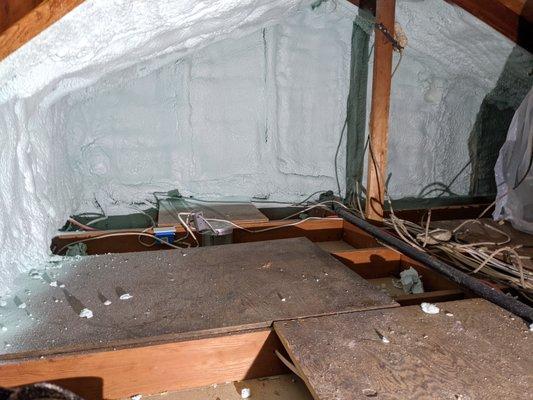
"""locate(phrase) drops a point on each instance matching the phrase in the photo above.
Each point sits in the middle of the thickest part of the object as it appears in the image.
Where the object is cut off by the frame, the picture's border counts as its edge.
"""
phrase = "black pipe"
(474, 285)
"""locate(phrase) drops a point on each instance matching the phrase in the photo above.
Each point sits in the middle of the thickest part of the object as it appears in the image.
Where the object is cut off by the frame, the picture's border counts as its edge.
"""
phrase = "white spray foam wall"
(451, 63)
(133, 103)
(238, 117)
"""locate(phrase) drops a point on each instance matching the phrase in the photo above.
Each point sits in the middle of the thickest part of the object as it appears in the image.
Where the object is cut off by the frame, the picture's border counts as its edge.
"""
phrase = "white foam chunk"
(86, 313)
(430, 308)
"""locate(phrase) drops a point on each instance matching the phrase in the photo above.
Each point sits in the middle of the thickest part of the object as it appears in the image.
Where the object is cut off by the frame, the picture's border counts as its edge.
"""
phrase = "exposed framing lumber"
(323, 230)
(379, 115)
(13, 10)
(153, 369)
(33, 23)
(512, 18)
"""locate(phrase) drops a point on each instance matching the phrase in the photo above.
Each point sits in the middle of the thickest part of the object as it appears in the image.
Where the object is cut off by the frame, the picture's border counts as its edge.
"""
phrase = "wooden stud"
(379, 116)
(33, 23)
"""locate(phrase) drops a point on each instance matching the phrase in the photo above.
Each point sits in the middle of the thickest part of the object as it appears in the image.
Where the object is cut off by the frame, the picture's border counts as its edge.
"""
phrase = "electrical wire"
(118, 234)
(397, 64)
(80, 225)
(337, 155)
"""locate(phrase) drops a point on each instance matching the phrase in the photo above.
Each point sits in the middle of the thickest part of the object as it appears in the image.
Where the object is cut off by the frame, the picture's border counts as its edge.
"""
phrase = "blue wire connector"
(167, 234)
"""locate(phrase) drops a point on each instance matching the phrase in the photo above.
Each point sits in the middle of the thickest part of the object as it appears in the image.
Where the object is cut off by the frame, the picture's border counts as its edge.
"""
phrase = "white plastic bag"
(514, 170)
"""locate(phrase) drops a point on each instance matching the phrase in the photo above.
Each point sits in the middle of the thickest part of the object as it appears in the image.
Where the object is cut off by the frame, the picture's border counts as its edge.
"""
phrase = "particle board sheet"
(180, 295)
(472, 349)
(238, 212)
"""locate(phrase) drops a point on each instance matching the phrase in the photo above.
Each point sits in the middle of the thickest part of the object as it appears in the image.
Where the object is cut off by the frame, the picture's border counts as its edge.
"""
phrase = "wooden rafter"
(13, 10)
(32, 23)
(512, 18)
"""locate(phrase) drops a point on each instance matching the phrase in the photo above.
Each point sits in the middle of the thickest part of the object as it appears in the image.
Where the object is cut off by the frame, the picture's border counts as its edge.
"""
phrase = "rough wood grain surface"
(379, 115)
(13, 10)
(472, 349)
(33, 23)
(153, 369)
(178, 295)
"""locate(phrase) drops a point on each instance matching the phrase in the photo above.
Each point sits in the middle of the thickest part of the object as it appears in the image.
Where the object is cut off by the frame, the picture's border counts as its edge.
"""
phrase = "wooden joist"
(113, 374)
(379, 115)
(13, 10)
(33, 23)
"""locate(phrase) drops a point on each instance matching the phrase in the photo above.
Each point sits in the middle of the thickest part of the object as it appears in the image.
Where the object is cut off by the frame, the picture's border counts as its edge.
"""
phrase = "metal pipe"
(464, 280)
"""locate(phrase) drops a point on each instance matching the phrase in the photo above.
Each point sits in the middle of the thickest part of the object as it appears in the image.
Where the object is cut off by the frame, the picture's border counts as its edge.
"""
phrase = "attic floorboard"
(472, 349)
(179, 295)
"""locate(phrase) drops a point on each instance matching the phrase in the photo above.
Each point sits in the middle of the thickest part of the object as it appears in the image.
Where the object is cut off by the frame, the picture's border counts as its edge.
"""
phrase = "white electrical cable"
(120, 234)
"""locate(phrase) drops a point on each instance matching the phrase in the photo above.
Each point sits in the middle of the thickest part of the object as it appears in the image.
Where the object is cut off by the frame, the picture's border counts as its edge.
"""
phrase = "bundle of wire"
(496, 260)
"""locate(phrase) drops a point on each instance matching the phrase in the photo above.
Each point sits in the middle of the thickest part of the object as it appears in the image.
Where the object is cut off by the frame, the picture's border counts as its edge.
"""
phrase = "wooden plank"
(153, 369)
(179, 295)
(512, 18)
(436, 296)
(323, 230)
(335, 246)
(357, 237)
(33, 23)
(238, 212)
(315, 230)
(13, 10)
(280, 387)
(379, 115)
(479, 352)
(371, 263)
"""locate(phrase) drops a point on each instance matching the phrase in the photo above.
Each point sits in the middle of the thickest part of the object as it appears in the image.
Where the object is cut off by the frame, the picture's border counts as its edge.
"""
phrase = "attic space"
(242, 100)
(264, 199)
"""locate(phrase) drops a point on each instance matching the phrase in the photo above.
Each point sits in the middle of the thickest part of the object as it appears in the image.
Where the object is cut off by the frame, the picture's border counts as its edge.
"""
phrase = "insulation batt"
(222, 97)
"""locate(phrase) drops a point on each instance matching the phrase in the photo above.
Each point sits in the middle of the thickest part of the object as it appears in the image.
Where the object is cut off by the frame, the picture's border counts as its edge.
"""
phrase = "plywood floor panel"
(471, 350)
(178, 295)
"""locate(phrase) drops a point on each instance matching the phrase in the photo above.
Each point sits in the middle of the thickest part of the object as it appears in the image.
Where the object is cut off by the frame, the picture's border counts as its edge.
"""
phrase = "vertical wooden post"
(379, 115)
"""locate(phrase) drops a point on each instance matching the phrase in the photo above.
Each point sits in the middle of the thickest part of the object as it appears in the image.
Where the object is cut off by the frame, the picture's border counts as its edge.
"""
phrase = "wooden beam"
(377, 262)
(512, 18)
(379, 116)
(33, 23)
(153, 369)
(322, 230)
(13, 10)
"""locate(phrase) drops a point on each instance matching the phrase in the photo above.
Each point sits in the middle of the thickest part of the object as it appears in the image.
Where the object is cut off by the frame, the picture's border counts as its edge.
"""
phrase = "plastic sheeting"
(514, 170)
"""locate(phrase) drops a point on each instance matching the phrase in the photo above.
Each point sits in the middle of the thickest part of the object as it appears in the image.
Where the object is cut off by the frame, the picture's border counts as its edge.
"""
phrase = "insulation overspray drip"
(226, 97)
